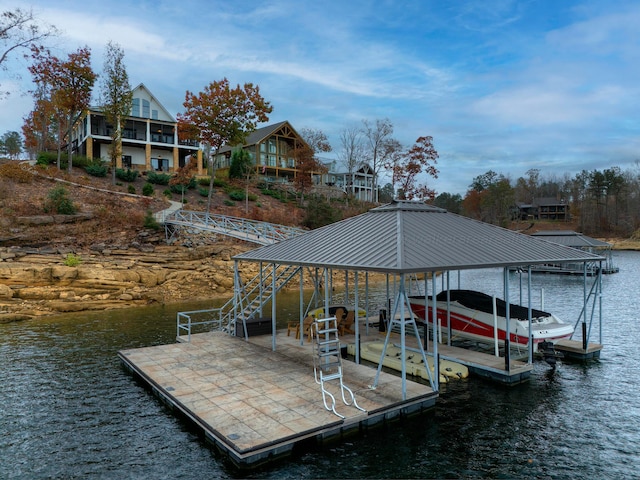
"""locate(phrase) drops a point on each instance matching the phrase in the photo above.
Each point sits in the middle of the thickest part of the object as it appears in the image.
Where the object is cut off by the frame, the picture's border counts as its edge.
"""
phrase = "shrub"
(158, 178)
(72, 260)
(237, 195)
(179, 189)
(277, 194)
(147, 189)
(150, 221)
(131, 189)
(58, 202)
(204, 181)
(203, 191)
(80, 161)
(252, 197)
(229, 203)
(127, 175)
(167, 193)
(97, 170)
(218, 182)
(47, 158)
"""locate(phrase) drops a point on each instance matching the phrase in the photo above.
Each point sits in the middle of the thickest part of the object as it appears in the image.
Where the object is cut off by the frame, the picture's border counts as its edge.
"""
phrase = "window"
(145, 108)
(135, 107)
(160, 164)
(126, 161)
(154, 114)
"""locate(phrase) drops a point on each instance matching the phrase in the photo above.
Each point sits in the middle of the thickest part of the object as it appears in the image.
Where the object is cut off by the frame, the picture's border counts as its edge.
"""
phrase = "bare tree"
(351, 153)
(116, 99)
(19, 29)
(380, 146)
(307, 162)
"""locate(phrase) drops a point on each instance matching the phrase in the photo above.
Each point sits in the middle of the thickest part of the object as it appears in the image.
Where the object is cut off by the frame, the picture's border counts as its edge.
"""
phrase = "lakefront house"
(149, 137)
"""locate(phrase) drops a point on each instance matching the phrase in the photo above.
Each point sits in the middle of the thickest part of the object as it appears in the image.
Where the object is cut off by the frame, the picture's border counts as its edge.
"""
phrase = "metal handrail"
(226, 313)
(263, 233)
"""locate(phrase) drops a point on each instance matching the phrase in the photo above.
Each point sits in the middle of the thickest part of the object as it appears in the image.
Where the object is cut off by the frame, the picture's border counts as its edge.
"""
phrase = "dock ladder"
(327, 362)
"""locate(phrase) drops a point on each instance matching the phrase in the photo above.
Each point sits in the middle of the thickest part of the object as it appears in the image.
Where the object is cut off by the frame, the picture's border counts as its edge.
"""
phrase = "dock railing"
(207, 320)
(262, 233)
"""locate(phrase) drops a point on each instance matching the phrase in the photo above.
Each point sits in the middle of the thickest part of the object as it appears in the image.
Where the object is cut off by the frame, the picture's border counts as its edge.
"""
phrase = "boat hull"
(476, 324)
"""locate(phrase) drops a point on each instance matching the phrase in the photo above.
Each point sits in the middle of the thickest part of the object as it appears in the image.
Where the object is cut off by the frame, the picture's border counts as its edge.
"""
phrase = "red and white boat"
(472, 317)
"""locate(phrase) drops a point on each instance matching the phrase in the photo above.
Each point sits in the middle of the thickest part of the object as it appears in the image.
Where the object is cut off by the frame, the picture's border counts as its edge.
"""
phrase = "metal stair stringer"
(250, 297)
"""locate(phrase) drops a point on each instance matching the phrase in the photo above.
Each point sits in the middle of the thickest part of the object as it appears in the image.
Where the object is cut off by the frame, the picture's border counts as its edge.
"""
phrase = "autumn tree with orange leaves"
(406, 166)
(69, 85)
(221, 115)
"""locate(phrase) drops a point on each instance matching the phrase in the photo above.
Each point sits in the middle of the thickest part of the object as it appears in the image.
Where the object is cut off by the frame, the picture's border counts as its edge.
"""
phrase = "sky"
(500, 85)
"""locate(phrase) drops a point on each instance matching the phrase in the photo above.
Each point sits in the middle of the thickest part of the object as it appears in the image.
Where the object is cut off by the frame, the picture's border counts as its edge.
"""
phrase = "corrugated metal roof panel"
(571, 239)
(413, 237)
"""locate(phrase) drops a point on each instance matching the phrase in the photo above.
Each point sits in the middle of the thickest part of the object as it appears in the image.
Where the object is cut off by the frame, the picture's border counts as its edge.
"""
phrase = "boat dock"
(575, 350)
(480, 364)
(256, 405)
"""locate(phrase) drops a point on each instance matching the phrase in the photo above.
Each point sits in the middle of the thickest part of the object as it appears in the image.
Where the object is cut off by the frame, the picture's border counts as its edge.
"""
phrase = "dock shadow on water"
(69, 409)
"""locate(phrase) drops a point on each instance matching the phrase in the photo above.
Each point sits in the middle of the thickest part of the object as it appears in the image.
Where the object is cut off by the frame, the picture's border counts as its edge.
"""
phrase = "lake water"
(69, 410)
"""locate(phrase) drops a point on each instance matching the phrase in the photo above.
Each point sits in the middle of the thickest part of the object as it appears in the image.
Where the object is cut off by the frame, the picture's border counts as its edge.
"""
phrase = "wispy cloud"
(506, 85)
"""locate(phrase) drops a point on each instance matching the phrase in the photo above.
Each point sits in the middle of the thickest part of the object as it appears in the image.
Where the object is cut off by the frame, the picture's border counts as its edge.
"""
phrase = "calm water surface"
(69, 410)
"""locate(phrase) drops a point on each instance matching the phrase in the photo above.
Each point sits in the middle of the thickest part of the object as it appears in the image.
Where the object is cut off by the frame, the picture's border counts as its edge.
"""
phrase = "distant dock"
(256, 405)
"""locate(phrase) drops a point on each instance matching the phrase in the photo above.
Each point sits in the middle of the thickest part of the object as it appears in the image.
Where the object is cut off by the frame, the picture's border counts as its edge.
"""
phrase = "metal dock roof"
(413, 237)
(573, 239)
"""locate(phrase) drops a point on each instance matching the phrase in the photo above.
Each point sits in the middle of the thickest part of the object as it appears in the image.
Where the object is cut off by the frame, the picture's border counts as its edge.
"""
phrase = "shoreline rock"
(36, 281)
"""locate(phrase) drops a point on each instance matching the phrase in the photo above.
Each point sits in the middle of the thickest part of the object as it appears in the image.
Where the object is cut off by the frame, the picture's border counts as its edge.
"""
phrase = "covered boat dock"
(403, 241)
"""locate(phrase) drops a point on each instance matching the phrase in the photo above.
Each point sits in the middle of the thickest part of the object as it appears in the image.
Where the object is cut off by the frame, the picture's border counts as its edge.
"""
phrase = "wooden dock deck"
(572, 350)
(256, 405)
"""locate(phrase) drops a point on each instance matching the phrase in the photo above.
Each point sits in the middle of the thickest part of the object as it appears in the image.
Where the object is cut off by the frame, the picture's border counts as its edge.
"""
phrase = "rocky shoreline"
(40, 281)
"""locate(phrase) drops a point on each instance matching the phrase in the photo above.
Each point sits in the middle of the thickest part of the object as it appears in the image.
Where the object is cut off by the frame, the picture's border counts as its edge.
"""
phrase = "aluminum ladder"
(327, 363)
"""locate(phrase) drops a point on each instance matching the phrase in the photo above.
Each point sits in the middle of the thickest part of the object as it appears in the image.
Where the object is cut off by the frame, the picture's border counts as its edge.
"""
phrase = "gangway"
(262, 233)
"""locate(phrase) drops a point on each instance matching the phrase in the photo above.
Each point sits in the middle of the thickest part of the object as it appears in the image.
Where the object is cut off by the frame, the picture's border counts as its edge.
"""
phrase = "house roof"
(143, 87)
(411, 237)
(545, 201)
(570, 238)
(262, 133)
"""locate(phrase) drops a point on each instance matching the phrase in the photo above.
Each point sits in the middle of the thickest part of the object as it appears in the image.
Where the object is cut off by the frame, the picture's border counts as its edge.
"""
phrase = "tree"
(380, 145)
(406, 166)
(351, 153)
(116, 100)
(183, 177)
(450, 202)
(221, 115)
(490, 198)
(19, 29)
(45, 124)
(11, 145)
(242, 167)
(40, 128)
(69, 84)
(307, 162)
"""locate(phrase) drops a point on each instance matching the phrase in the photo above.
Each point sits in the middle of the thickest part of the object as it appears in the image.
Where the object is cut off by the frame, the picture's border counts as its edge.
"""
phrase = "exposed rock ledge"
(36, 282)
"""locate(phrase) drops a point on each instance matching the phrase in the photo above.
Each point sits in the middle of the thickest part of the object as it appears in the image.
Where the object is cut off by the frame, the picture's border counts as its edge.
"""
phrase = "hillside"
(106, 213)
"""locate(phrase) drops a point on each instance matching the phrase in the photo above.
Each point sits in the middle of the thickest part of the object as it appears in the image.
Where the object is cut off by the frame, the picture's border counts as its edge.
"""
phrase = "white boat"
(472, 318)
